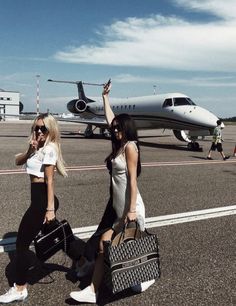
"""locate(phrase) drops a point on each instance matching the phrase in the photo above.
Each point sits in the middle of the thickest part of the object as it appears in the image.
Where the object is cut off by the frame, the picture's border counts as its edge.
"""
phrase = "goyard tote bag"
(54, 236)
(131, 258)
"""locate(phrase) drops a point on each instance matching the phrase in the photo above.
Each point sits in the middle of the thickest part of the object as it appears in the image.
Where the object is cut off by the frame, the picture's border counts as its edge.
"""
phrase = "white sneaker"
(85, 269)
(86, 295)
(13, 295)
(143, 286)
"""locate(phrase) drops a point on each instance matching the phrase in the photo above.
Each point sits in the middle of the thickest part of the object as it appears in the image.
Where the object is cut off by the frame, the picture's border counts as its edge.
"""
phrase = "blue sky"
(186, 46)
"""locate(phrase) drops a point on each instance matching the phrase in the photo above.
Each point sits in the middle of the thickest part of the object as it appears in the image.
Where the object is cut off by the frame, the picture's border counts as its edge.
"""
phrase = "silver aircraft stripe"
(8, 244)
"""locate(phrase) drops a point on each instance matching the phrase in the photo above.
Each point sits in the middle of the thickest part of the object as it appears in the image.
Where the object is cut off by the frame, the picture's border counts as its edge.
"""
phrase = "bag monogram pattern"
(131, 262)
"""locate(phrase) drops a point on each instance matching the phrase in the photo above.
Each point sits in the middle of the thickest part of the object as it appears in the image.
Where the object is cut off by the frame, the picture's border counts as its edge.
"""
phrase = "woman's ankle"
(93, 287)
(21, 287)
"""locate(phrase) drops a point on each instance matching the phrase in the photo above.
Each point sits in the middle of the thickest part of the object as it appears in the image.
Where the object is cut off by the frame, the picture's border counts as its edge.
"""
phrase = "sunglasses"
(41, 128)
(116, 128)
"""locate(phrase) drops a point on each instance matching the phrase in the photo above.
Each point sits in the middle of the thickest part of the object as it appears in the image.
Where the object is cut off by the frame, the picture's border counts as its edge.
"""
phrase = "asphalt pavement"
(198, 258)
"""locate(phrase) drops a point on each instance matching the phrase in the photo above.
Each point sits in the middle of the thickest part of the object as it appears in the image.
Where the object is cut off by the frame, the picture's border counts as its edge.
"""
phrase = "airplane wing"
(96, 121)
(99, 122)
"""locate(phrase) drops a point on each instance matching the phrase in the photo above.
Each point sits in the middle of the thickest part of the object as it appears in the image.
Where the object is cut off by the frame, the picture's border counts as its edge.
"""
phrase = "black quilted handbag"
(131, 258)
(55, 236)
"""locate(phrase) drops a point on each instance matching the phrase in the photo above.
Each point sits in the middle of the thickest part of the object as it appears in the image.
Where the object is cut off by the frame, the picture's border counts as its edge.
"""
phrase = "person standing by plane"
(41, 159)
(124, 164)
(217, 141)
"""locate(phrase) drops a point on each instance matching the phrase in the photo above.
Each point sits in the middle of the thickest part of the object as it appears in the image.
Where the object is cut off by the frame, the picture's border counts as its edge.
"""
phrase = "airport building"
(9, 104)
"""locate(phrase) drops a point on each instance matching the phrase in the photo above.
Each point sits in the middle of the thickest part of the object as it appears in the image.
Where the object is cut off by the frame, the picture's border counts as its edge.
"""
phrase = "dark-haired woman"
(125, 166)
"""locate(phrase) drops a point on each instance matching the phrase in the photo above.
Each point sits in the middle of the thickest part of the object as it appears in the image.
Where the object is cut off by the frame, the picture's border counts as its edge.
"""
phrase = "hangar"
(9, 104)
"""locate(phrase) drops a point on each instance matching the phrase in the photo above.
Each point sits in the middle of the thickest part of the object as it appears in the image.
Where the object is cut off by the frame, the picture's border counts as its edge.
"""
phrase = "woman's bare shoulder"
(131, 146)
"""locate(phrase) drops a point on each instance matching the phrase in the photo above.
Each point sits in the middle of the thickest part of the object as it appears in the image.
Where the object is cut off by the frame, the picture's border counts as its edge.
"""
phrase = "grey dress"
(121, 192)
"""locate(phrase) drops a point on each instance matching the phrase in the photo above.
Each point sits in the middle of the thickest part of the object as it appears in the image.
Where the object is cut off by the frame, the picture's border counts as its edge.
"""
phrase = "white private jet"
(174, 111)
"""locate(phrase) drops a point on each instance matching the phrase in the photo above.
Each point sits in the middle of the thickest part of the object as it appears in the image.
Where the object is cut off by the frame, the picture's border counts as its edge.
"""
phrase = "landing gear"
(194, 146)
(105, 133)
(88, 133)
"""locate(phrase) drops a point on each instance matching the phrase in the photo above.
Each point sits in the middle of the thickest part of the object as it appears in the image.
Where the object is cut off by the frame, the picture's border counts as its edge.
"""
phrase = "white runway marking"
(8, 244)
(148, 164)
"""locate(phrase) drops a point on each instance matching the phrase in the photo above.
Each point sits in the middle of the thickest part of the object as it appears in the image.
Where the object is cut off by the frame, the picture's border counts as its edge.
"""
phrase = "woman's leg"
(99, 264)
(30, 226)
(88, 294)
(107, 221)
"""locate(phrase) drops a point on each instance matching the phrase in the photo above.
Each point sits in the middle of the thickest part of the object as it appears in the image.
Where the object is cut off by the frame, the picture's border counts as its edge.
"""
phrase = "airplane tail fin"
(81, 93)
(80, 87)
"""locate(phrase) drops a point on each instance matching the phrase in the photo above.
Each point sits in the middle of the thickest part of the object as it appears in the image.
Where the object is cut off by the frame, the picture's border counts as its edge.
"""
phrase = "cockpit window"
(167, 102)
(183, 101)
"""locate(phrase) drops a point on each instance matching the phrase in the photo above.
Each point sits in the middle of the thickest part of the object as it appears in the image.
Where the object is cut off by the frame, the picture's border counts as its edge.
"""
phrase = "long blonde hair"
(53, 136)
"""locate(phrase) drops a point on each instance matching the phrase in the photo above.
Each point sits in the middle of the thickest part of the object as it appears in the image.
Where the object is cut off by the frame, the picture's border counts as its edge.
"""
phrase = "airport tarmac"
(198, 258)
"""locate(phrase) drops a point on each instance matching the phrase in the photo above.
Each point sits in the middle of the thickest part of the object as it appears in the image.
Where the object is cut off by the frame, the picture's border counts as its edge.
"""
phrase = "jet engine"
(76, 106)
(181, 135)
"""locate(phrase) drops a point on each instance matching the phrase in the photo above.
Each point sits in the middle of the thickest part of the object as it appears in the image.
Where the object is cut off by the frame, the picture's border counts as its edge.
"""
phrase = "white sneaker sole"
(77, 297)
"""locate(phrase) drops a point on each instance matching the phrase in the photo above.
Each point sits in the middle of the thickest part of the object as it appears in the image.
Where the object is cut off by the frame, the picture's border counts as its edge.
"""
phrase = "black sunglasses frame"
(42, 128)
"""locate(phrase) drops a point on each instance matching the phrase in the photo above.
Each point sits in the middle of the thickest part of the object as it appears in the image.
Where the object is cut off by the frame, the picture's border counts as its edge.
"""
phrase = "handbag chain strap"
(65, 242)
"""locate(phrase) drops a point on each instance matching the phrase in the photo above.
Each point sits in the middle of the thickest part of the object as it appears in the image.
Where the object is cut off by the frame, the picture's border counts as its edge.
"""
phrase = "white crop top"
(44, 156)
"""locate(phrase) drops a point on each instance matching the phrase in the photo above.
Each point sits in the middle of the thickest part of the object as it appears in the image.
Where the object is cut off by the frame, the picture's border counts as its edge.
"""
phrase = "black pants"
(30, 226)
(90, 249)
(92, 245)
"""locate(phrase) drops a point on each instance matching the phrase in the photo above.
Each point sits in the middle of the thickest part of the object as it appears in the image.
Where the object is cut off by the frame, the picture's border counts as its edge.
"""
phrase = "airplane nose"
(206, 117)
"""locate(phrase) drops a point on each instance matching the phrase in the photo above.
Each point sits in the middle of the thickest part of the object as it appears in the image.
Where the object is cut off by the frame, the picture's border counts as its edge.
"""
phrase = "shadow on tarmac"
(163, 146)
(105, 296)
(39, 272)
(199, 157)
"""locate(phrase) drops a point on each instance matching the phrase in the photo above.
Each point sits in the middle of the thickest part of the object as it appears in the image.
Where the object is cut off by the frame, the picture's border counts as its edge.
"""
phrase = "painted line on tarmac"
(147, 164)
(8, 244)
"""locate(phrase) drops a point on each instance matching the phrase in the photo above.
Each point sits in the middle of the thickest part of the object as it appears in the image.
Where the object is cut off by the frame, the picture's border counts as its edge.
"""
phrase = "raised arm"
(107, 108)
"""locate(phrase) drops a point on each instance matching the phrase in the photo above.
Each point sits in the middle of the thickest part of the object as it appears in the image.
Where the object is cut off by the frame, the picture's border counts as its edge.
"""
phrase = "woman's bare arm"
(132, 160)
(107, 108)
(49, 177)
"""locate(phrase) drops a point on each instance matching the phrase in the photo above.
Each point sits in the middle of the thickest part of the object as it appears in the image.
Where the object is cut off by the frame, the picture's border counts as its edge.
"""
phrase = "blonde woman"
(40, 160)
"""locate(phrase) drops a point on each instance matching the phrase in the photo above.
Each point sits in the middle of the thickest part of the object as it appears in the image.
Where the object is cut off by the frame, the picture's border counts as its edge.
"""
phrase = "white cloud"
(129, 78)
(222, 81)
(17, 80)
(223, 9)
(165, 42)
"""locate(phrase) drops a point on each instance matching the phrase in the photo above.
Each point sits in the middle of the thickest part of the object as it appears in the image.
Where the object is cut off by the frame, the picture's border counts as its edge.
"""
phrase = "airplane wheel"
(189, 145)
(194, 146)
(106, 134)
(88, 134)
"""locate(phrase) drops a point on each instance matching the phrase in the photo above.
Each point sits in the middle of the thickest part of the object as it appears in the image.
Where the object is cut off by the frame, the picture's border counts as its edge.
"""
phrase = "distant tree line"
(230, 119)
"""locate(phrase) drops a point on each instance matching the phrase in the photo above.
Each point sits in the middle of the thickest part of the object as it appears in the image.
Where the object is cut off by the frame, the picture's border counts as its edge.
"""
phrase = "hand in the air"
(106, 88)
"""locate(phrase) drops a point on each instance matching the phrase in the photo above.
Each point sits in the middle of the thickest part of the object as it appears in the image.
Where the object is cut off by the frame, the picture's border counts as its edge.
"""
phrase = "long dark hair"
(129, 133)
